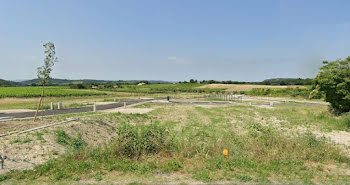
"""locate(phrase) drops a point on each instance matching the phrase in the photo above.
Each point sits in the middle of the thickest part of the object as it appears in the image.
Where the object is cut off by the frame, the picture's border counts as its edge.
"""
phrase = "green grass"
(310, 117)
(56, 91)
(21, 140)
(286, 92)
(164, 88)
(73, 143)
(188, 140)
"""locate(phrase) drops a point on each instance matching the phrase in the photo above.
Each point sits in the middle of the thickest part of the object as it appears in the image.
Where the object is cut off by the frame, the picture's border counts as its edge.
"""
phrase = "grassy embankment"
(264, 146)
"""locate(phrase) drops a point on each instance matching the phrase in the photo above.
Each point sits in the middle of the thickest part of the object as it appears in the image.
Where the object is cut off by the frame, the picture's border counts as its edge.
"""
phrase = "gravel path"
(6, 116)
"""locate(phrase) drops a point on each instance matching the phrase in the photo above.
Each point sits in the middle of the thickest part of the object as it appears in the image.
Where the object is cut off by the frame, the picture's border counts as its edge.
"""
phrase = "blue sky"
(246, 40)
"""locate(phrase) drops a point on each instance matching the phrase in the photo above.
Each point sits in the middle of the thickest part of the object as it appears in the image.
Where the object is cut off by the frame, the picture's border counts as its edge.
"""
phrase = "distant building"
(115, 86)
(141, 84)
(94, 87)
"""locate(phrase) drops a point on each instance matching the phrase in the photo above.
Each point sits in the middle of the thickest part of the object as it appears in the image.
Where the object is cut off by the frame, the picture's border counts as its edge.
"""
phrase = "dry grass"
(246, 87)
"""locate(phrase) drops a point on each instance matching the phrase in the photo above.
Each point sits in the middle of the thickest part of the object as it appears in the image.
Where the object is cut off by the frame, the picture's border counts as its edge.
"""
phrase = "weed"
(243, 178)
(98, 176)
(4, 177)
(346, 120)
(76, 178)
(73, 143)
(22, 141)
(39, 136)
(202, 175)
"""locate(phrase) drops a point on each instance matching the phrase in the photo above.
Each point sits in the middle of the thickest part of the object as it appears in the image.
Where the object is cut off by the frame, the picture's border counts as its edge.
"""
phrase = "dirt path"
(104, 106)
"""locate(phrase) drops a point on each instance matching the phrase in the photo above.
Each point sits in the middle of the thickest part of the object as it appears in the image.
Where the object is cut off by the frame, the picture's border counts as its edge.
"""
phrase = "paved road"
(69, 110)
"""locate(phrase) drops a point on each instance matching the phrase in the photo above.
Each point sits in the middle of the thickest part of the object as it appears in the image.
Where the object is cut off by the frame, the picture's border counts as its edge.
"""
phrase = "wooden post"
(124, 105)
(41, 99)
(51, 106)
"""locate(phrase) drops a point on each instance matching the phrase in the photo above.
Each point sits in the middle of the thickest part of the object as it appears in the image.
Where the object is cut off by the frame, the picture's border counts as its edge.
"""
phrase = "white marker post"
(94, 107)
(59, 105)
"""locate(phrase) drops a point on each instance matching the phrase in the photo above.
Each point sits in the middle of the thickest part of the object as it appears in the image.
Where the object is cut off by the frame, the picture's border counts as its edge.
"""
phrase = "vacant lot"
(245, 87)
(183, 144)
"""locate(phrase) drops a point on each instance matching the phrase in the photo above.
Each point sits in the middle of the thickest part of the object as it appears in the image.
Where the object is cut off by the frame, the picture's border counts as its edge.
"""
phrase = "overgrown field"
(57, 91)
(186, 142)
(266, 90)
(281, 92)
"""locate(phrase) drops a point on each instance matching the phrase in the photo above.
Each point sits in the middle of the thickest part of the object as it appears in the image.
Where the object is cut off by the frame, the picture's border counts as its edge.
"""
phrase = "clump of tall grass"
(73, 143)
(346, 120)
(137, 140)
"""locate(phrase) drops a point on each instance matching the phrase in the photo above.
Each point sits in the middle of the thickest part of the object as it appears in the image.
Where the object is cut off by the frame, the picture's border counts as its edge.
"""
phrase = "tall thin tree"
(45, 70)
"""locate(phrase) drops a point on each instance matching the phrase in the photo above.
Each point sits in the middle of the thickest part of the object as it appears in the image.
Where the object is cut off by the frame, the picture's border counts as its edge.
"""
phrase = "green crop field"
(57, 91)
(164, 88)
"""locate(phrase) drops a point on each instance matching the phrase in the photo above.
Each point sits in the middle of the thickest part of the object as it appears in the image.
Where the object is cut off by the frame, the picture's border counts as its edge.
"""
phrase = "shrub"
(137, 140)
(334, 81)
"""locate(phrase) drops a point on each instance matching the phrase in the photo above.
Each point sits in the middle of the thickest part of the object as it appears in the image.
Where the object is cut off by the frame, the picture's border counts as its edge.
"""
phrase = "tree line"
(274, 81)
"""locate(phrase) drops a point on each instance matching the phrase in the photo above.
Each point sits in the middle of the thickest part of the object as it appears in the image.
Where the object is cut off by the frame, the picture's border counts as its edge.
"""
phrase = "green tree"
(44, 71)
(334, 82)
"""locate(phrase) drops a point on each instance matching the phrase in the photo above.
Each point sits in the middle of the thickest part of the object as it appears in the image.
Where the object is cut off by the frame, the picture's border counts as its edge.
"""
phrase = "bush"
(334, 81)
(138, 140)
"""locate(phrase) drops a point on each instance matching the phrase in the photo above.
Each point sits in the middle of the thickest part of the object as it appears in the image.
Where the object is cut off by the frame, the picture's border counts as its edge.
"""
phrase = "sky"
(173, 40)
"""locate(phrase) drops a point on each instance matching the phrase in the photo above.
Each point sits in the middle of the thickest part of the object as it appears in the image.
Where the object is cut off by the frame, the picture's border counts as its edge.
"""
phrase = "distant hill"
(85, 81)
(5, 83)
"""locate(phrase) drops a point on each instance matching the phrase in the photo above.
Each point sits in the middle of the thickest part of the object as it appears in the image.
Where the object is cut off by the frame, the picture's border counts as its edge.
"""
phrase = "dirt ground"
(245, 87)
(129, 110)
(15, 125)
(24, 151)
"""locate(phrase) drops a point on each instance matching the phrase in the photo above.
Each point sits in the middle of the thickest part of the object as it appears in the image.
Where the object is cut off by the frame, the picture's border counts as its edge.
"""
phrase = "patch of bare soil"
(16, 110)
(338, 137)
(129, 110)
(15, 125)
(212, 105)
(24, 151)
(264, 106)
